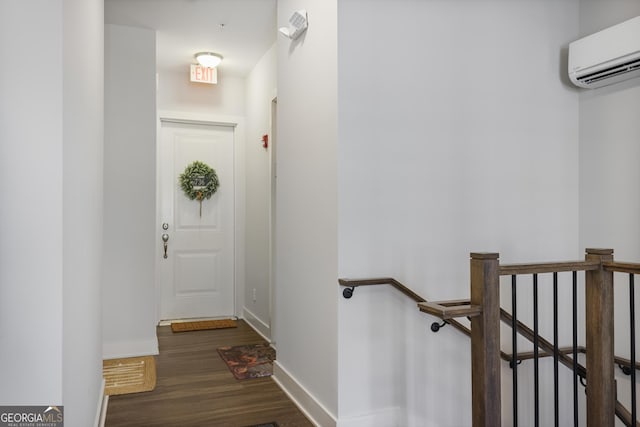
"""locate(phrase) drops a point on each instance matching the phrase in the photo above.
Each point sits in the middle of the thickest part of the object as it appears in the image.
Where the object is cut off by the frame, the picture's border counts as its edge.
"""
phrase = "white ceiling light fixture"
(208, 59)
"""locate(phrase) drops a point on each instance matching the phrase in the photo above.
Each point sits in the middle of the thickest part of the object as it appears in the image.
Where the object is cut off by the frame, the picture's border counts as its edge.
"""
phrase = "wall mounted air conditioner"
(606, 57)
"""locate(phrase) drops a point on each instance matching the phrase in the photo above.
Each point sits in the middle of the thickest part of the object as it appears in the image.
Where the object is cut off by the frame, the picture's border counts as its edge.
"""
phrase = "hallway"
(195, 388)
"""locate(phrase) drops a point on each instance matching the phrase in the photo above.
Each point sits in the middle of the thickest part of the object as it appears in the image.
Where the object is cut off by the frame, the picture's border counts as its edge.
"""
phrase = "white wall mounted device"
(606, 57)
(297, 25)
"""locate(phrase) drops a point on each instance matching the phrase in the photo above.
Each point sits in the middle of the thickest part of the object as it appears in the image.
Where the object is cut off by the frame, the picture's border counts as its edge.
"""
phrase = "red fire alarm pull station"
(265, 141)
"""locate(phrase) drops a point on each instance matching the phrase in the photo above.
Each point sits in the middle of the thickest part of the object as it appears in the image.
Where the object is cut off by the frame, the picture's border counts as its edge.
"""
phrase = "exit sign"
(202, 74)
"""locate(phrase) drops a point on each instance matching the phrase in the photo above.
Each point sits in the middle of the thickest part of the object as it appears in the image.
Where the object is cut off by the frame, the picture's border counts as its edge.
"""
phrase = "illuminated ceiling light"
(208, 59)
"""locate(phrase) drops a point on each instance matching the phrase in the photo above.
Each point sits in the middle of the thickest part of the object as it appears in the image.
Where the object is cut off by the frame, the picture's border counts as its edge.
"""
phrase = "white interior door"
(197, 277)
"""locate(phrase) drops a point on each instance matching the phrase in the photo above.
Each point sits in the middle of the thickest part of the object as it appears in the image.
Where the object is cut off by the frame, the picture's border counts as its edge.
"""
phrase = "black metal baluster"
(575, 349)
(555, 350)
(514, 350)
(632, 328)
(536, 383)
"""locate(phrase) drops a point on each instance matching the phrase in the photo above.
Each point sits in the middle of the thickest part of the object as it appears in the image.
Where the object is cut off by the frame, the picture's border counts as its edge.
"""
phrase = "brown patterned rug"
(203, 325)
(249, 361)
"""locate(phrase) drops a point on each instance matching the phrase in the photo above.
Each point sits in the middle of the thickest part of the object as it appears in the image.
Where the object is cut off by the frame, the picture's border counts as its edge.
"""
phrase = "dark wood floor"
(195, 388)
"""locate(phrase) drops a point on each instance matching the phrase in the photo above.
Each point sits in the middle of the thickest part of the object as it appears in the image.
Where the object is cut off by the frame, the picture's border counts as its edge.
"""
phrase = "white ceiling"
(240, 30)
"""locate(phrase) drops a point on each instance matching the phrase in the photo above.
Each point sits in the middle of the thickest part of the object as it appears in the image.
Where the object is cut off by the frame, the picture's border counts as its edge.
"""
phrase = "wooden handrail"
(450, 309)
(354, 283)
(441, 312)
(558, 267)
(506, 318)
(528, 355)
(624, 415)
(527, 333)
(622, 267)
(621, 361)
(547, 267)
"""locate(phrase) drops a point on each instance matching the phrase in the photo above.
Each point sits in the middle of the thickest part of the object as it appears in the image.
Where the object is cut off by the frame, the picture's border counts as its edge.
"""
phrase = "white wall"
(306, 236)
(609, 134)
(609, 173)
(128, 275)
(462, 138)
(177, 93)
(83, 109)
(260, 91)
(51, 217)
(31, 247)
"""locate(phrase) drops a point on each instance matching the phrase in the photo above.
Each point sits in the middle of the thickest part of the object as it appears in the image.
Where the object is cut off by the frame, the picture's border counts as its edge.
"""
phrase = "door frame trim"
(273, 154)
(210, 119)
(197, 122)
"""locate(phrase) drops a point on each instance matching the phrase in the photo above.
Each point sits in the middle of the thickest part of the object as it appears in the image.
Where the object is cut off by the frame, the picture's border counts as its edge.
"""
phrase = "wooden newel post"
(485, 340)
(601, 392)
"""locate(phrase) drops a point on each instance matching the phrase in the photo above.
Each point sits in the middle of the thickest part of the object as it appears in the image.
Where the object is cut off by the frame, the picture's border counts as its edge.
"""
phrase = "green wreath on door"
(199, 181)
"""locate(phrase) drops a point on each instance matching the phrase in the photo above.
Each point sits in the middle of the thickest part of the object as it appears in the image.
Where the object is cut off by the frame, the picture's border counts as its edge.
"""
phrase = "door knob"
(165, 240)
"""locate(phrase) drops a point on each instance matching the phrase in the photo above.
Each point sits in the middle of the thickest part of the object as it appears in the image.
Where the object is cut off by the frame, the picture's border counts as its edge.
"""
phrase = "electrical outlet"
(254, 295)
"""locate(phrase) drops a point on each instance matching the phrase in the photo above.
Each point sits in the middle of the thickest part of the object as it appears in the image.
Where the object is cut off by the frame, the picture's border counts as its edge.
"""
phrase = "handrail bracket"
(348, 292)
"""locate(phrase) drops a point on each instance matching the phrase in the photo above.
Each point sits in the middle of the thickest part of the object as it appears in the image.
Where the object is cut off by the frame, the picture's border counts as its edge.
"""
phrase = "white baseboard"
(312, 409)
(257, 324)
(387, 417)
(103, 402)
(121, 349)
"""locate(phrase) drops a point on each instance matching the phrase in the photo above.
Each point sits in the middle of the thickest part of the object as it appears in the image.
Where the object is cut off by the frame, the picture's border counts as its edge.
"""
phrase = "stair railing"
(599, 331)
(610, 266)
(484, 311)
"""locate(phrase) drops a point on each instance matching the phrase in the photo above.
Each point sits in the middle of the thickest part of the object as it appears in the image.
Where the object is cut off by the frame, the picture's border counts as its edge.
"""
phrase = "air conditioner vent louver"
(609, 72)
(606, 57)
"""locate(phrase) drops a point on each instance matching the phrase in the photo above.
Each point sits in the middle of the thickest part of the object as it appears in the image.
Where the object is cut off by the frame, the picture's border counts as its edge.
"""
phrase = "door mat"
(130, 375)
(203, 325)
(249, 361)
